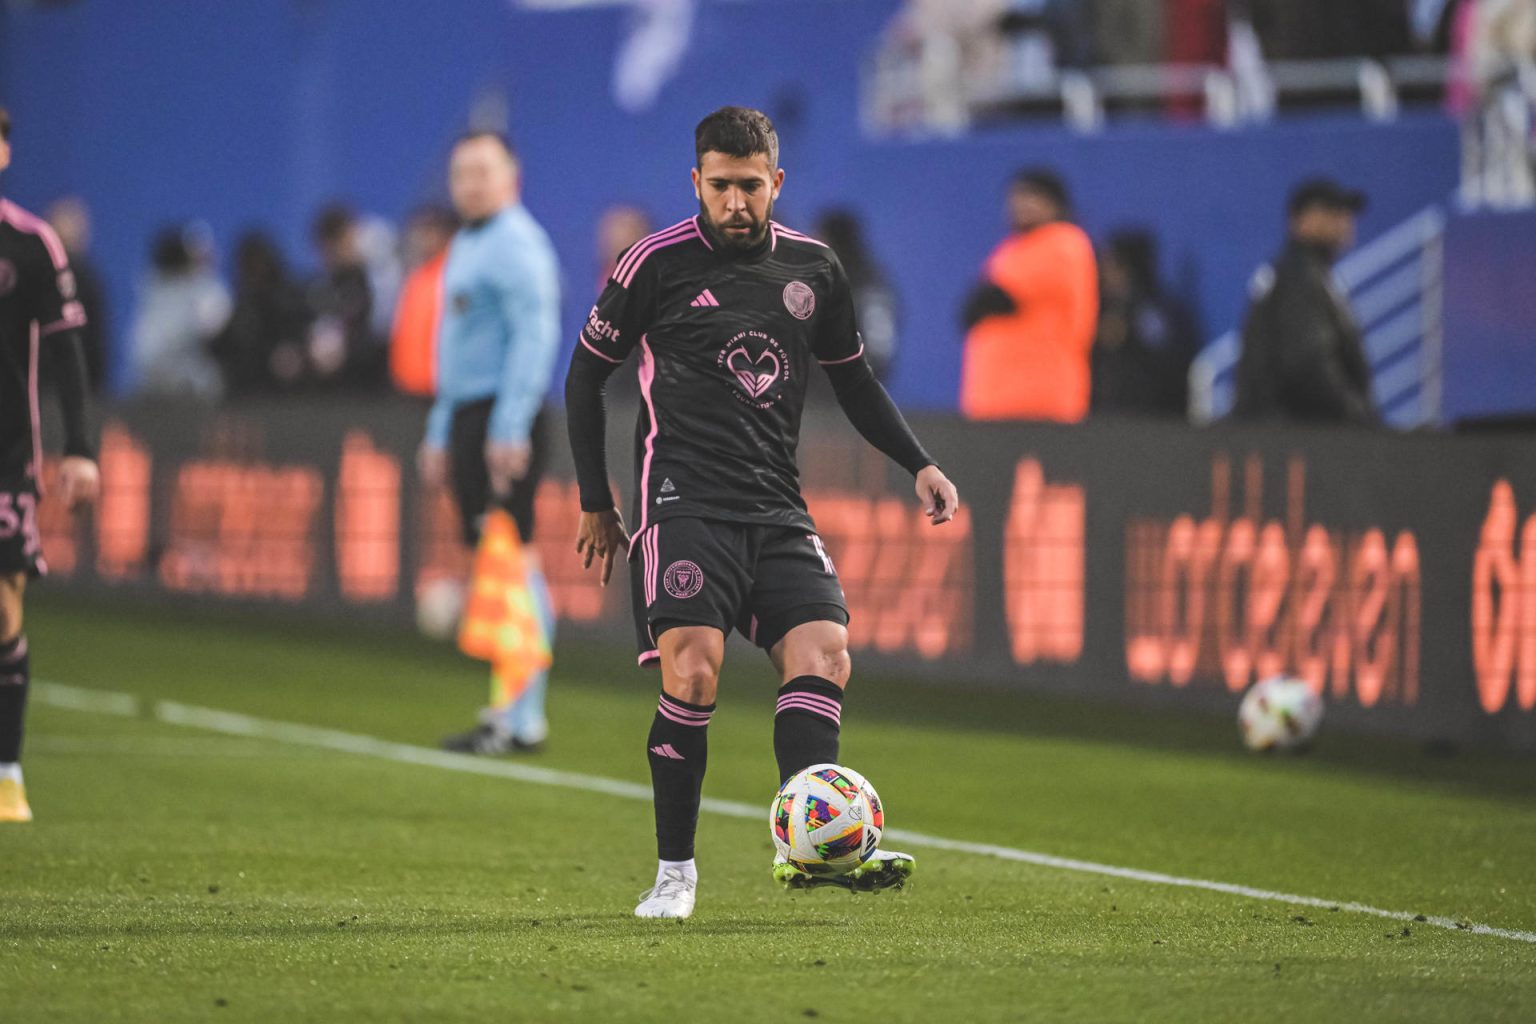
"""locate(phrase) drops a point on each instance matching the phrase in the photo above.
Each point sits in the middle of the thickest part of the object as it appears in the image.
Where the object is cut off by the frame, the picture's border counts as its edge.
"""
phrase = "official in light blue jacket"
(496, 353)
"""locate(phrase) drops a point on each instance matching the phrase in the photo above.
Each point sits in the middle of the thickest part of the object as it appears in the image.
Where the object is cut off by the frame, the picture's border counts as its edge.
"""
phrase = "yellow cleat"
(13, 801)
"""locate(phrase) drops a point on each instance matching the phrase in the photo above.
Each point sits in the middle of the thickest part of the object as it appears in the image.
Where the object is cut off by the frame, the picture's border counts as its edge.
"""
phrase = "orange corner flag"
(501, 624)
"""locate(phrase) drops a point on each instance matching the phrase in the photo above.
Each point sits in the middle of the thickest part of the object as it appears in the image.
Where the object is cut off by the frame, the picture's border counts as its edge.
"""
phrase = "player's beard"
(739, 243)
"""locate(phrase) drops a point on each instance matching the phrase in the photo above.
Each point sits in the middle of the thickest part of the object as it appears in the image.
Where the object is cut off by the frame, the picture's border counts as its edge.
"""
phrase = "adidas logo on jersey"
(667, 487)
(706, 298)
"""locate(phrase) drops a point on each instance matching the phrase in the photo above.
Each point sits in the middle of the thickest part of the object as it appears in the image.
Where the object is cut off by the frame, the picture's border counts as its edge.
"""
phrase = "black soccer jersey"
(726, 344)
(37, 299)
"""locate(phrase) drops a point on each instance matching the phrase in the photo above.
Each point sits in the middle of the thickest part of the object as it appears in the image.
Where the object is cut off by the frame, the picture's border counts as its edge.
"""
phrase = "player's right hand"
(939, 497)
(432, 465)
(601, 535)
(79, 480)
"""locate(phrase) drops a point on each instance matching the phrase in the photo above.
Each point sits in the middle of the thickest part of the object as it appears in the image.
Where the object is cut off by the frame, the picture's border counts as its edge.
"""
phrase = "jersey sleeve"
(837, 340)
(624, 312)
(56, 306)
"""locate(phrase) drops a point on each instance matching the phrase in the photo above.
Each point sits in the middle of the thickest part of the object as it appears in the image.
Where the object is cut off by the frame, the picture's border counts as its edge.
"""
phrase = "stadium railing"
(1395, 285)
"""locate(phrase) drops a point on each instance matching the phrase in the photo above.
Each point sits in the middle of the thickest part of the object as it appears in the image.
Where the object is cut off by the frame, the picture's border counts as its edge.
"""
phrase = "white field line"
(234, 724)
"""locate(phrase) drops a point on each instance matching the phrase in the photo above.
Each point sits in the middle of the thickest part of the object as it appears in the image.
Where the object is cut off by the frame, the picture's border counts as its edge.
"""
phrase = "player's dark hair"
(738, 132)
(475, 134)
(5, 125)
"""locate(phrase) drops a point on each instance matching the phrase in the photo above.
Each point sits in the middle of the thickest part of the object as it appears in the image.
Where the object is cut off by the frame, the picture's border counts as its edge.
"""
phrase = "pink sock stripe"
(671, 715)
(674, 705)
(829, 703)
(791, 704)
(16, 655)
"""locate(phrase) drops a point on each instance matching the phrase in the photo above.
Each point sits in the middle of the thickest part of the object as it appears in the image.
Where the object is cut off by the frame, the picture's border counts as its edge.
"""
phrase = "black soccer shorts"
(761, 580)
(21, 545)
(472, 480)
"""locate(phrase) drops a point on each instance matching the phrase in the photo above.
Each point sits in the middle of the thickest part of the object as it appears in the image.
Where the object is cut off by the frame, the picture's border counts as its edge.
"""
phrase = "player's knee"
(692, 667)
(833, 663)
(822, 650)
(693, 680)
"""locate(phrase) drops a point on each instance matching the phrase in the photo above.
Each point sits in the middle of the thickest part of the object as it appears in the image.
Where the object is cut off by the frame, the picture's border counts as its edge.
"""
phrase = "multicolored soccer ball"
(826, 820)
(1279, 714)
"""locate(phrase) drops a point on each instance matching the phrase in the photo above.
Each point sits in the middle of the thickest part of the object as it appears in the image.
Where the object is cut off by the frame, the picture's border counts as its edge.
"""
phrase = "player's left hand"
(601, 535)
(938, 495)
(507, 462)
(79, 480)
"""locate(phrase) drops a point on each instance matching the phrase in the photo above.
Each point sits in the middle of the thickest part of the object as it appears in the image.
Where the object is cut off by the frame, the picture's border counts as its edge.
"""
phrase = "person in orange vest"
(1030, 322)
(413, 341)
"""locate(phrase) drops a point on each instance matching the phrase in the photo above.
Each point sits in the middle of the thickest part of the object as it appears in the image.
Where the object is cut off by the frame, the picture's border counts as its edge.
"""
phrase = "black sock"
(14, 680)
(678, 749)
(805, 728)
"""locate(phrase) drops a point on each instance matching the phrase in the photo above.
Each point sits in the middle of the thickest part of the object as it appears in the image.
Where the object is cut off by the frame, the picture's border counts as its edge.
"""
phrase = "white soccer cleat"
(672, 896)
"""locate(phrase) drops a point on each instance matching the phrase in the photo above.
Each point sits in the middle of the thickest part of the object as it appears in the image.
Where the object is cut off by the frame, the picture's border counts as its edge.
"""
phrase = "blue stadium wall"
(253, 114)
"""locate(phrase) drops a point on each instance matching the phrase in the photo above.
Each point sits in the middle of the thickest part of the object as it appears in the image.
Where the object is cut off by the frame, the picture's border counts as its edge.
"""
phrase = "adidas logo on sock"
(706, 298)
(667, 750)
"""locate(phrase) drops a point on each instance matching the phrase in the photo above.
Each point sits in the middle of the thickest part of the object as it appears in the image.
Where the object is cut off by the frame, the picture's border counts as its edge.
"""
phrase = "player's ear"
(778, 182)
(697, 192)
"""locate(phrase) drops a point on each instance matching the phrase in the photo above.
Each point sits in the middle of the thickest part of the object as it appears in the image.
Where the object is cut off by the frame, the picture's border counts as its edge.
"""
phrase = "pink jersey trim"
(674, 235)
(647, 380)
(648, 657)
(582, 338)
(37, 428)
(797, 236)
(846, 359)
(698, 229)
(35, 225)
(634, 254)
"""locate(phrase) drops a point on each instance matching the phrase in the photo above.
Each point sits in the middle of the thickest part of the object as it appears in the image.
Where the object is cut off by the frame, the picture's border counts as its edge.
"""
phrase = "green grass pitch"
(177, 874)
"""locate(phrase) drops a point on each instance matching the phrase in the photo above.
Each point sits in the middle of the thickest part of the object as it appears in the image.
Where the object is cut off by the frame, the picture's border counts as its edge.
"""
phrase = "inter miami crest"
(799, 300)
(683, 579)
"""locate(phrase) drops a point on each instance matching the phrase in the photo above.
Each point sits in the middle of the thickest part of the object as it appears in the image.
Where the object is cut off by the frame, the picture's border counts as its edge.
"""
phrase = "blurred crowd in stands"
(1056, 329)
(1092, 33)
(962, 60)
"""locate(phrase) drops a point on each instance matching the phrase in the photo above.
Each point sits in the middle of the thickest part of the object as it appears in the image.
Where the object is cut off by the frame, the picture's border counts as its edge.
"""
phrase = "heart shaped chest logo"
(754, 375)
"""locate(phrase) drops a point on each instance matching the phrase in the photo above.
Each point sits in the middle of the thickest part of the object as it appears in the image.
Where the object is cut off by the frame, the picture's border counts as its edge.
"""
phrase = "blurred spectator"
(379, 247)
(343, 350)
(1146, 338)
(1126, 31)
(70, 219)
(1313, 29)
(617, 229)
(181, 305)
(261, 348)
(874, 300)
(1503, 39)
(1303, 355)
(413, 339)
(1030, 323)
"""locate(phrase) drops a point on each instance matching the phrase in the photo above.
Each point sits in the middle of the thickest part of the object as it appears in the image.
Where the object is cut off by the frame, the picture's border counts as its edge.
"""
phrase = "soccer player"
(40, 319)
(729, 310)
(496, 353)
